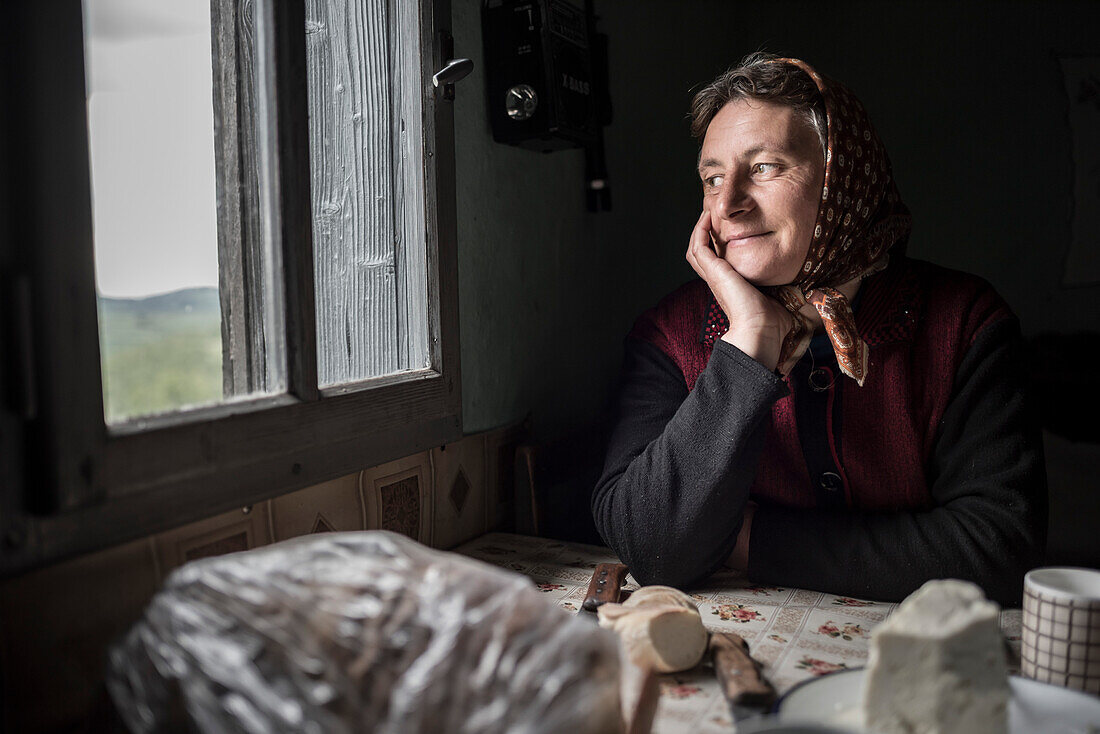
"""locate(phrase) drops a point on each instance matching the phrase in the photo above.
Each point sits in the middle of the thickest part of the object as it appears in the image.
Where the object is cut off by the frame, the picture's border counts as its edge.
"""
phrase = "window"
(155, 207)
(330, 240)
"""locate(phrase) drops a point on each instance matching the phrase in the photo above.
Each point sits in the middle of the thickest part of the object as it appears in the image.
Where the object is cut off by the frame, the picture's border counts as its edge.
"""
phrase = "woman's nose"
(733, 198)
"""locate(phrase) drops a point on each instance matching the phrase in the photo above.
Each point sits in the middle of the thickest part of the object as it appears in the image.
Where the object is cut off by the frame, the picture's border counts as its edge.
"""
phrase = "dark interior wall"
(532, 270)
(968, 98)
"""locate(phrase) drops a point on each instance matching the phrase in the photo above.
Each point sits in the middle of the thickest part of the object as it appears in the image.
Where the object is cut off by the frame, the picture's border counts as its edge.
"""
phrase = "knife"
(604, 586)
(739, 676)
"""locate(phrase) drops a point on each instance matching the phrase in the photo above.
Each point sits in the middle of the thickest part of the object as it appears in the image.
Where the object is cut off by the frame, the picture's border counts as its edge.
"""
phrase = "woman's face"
(762, 170)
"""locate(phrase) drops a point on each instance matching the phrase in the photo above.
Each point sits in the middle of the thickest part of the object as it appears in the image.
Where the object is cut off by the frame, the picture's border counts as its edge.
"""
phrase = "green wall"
(537, 336)
(967, 97)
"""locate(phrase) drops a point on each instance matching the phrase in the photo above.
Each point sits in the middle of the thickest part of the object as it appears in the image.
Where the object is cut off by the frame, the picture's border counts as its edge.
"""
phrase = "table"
(796, 633)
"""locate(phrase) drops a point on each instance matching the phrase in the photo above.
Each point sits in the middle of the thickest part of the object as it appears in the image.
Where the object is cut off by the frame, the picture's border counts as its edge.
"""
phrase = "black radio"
(538, 65)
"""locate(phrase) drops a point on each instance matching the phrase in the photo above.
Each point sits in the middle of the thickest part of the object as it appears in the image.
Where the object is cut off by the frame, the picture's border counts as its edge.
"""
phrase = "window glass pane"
(364, 136)
(162, 296)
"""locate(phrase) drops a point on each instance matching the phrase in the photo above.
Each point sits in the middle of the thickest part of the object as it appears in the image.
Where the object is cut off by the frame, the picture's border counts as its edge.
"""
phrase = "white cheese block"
(937, 665)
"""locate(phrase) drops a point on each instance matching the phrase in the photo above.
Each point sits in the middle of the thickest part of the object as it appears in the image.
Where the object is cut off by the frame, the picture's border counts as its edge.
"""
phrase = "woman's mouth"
(742, 239)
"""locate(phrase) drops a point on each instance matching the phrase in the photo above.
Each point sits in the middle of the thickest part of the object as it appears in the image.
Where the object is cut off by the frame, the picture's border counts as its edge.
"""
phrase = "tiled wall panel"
(57, 623)
(398, 496)
(460, 494)
(229, 532)
(330, 506)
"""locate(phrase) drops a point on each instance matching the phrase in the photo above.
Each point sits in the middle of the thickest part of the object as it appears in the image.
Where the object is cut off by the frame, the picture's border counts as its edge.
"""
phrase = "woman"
(818, 409)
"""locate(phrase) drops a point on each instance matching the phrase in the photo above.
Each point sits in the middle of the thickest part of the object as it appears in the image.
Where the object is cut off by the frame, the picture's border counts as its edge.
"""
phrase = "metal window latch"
(452, 71)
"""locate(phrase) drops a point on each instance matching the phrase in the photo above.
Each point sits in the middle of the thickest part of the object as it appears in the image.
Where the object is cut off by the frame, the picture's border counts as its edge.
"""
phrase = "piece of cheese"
(660, 628)
(937, 665)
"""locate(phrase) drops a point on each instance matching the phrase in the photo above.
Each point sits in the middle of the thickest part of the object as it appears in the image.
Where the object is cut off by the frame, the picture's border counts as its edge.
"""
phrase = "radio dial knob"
(521, 101)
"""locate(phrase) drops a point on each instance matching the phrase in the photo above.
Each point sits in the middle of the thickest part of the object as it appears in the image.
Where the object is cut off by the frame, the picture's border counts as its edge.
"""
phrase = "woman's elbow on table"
(656, 553)
(667, 543)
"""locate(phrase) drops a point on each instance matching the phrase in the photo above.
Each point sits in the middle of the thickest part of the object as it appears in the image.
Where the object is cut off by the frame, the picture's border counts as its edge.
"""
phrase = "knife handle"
(604, 586)
(738, 673)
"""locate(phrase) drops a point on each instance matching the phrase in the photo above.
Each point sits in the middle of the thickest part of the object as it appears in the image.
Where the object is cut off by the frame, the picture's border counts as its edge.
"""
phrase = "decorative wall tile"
(219, 546)
(330, 506)
(400, 505)
(321, 525)
(398, 496)
(236, 530)
(460, 491)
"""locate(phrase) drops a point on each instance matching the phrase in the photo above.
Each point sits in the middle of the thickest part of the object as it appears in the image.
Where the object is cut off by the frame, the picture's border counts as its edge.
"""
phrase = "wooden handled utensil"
(605, 585)
(639, 693)
(739, 675)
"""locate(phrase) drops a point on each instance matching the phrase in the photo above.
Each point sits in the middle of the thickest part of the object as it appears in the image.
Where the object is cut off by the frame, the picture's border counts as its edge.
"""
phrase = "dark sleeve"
(988, 484)
(679, 464)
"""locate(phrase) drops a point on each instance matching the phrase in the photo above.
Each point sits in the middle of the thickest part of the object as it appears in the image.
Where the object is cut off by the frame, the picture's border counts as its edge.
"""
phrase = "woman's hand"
(758, 323)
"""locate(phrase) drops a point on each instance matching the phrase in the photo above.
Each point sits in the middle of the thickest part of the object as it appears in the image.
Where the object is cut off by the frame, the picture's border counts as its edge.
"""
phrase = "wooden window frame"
(83, 485)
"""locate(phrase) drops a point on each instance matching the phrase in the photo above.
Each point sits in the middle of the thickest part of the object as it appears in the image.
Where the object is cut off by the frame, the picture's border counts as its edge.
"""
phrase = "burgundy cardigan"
(931, 469)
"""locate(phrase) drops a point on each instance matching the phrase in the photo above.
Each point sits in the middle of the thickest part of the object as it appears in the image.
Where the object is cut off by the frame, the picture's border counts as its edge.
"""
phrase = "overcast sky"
(152, 144)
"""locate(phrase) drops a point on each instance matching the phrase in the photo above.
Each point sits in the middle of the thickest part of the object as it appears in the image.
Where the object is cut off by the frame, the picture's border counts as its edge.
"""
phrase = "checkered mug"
(1061, 627)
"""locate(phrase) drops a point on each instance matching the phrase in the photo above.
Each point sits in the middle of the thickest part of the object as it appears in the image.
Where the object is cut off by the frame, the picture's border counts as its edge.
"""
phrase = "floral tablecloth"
(797, 634)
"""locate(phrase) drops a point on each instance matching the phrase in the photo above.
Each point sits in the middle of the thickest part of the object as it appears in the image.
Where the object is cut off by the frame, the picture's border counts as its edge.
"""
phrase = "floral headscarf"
(861, 217)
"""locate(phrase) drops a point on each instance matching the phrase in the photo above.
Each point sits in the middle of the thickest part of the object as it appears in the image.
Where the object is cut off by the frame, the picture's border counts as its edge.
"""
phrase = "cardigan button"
(820, 380)
(831, 481)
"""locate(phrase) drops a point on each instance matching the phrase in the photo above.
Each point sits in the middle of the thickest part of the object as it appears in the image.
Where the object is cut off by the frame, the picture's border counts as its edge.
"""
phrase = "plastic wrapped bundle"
(361, 632)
